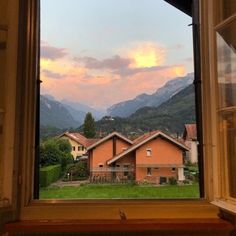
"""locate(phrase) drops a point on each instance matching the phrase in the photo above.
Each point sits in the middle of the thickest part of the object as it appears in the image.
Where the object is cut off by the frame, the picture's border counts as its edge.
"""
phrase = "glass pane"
(110, 66)
(226, 44)
(228, 133)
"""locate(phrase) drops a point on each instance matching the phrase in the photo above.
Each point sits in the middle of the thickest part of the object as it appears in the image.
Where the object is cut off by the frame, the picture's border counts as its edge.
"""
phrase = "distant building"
(79, 144)
(190, 140)
(154, 157)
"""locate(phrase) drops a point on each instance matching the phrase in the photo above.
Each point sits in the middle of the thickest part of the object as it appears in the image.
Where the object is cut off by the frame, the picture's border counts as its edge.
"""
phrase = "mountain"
(77, 115)
(53, 113)
(169, 117)
(83, 109)
(126, 108)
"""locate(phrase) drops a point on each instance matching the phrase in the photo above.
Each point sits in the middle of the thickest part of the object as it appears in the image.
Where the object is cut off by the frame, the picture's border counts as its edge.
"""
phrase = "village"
(154, 158)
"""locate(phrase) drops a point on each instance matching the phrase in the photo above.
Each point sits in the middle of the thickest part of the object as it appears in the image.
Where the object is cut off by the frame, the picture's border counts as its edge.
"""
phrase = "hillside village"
(153, 157)
(150, 139)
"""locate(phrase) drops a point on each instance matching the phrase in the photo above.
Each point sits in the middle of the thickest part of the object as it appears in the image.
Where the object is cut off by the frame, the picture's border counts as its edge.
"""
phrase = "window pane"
(226, 44)
(226, 48)
(110, 66)
(228, 134)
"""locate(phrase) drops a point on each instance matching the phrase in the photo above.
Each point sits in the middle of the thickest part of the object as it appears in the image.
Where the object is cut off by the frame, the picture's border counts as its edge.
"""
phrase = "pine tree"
(89, 126)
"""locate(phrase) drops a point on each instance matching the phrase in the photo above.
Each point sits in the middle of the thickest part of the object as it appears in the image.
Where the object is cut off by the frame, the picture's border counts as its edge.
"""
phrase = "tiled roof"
(145, 138)
(190, 132)
(79, 138)
(99, 141)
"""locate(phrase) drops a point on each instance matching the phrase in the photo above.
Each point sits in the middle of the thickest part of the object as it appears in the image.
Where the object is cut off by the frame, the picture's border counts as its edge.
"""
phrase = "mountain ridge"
(172, 87)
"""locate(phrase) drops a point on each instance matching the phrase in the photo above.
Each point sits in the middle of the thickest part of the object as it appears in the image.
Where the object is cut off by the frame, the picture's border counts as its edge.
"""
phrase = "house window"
(83, 148)
(73, 148)
(100, 165)
(79, 148)
(149, 171)
(173, 169)
(149, 152)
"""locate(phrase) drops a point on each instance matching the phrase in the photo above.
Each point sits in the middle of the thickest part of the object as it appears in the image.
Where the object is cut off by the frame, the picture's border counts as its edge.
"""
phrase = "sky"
(101, 52)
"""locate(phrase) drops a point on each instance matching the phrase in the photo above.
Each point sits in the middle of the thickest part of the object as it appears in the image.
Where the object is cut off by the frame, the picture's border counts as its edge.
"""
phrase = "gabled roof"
(190, 132)
(107, 138)
(79, 138)
(144, 139)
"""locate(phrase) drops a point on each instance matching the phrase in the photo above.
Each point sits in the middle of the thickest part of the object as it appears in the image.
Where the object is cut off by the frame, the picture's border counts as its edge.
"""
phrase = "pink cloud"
(53, 75)
(102, 83)
(103, 91)
(50, 52)
(115, 62)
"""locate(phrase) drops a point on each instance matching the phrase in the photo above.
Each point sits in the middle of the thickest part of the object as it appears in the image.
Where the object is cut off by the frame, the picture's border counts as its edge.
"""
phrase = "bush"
(64, 145)
(49, 175)
(77, 171)
(66, 160)
(186, 182)
(172, 181)
(56, 151)
(49, 154)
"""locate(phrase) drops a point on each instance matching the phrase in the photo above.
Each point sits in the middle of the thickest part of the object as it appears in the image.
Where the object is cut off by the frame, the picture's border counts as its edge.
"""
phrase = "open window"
(141, 77)
(36, 209)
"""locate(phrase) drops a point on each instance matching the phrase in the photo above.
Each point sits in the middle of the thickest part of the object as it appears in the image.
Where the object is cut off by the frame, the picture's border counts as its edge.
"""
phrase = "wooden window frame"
(222, 197)
(31, 209)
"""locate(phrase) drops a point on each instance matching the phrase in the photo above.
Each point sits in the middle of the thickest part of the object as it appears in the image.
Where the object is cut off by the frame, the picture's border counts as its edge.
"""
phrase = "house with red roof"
(190, 139)
(154, 157)
(79, 144)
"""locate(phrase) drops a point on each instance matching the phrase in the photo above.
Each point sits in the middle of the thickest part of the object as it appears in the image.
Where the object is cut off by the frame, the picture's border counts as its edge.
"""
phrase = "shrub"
(78, 171)
(172, 181)
(49, 154)
(64, 145)
(49, 175)
(66, 160)
(56, 151)
(186, 182)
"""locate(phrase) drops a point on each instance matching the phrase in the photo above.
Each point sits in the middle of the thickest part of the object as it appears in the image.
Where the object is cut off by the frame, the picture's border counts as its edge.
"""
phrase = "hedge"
(49, 174)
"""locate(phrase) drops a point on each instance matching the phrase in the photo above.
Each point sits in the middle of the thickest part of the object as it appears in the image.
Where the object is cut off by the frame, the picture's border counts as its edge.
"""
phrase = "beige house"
(190, 140)
(79, 144)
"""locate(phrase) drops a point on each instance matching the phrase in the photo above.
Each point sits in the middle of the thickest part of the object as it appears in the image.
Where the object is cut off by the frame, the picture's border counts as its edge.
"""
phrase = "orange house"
(103, 150)
(153, 157)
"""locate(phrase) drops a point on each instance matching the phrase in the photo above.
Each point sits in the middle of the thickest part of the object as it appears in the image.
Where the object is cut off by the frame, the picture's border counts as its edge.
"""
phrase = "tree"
(55, 151)
(89, 126)
(64, 145)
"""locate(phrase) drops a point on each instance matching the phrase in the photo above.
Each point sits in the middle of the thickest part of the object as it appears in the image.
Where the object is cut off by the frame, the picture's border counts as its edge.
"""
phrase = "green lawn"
(105, 191)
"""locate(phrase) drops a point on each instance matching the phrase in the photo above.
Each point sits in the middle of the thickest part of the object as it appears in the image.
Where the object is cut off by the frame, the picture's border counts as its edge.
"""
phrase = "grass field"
(125, 191)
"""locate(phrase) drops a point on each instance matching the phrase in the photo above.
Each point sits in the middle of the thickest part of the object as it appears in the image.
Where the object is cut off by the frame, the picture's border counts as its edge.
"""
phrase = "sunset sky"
(101, 52)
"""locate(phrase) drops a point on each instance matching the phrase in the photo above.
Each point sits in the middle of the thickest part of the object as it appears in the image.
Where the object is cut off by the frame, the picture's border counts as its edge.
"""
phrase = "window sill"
(110, 209)
(142, 226)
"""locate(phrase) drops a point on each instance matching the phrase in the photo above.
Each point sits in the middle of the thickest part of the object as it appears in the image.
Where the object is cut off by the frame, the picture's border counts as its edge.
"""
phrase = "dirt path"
(62, 184)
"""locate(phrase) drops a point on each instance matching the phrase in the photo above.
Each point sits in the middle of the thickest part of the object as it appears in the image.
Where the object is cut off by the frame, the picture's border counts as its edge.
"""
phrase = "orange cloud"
(111, 80)
(146, 55)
